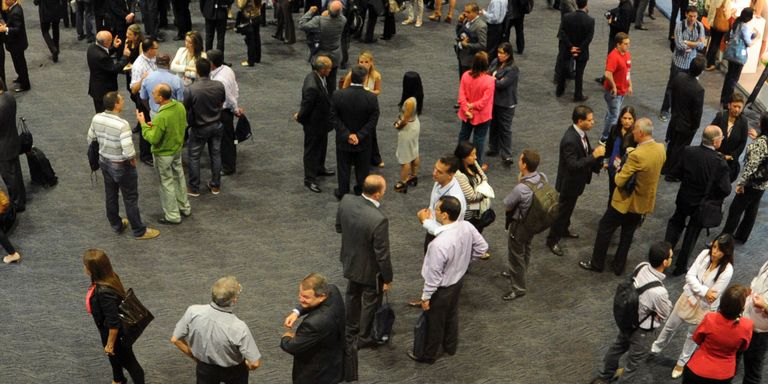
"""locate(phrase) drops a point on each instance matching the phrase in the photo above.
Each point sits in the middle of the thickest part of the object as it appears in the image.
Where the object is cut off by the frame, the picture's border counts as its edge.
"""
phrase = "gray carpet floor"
(269, 231)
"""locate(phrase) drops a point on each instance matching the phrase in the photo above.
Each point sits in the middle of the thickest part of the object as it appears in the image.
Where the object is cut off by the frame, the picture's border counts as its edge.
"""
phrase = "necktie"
(584, 143)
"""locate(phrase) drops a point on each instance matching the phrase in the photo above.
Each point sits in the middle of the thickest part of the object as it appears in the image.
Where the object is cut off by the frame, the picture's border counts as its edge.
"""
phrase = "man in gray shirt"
(220, 343)
(328, 29)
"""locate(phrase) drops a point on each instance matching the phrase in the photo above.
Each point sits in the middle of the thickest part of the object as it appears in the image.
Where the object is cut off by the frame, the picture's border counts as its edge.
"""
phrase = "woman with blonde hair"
(186, 57)
(104, 296)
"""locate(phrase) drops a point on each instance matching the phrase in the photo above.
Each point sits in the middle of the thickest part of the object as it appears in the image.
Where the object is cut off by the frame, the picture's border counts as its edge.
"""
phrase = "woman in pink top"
(476, 102)
(720, 336)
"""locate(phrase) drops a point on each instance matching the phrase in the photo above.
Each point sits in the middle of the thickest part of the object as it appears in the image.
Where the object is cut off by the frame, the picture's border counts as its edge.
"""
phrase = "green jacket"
(166, 134)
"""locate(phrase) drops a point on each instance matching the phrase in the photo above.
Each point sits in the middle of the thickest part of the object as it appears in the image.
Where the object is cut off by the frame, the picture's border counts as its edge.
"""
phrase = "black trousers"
(676, 142)
(389, 25)
(344, 162)
(7, 220)
(2, 66)
(519, 33)
(675, 227)
(228, 147)
(729, 84)
(754, 357)
(253, 41)
(149, 17)
(678, 8)
(612, 220)
(744, 204)
(214, 374)
(563, 221)
(10, 171)
(443, 321)
(145, 149)
(52, 41)
(123, 358)
(691, 378)
(162, 13)
(98, 103)
(20, 65)
(562, 75)
(673, 71)
(375, 153)
(495, 37)
(285, 27)
(315, 146)
(362, 301)
(181, 17)
(370, 25)
(714, 45)
(217, 27)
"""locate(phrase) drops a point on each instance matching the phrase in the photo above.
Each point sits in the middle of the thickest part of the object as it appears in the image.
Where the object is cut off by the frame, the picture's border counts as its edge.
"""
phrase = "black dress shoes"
(418, 360)
(371, 41)
(505, 274)
(571, 235)
(327, 172)
(312, 187)
(555, 248)
(338, 194)
(580, 98)
(512, 296)
(22, 89)
(588, 266)
(679, 271)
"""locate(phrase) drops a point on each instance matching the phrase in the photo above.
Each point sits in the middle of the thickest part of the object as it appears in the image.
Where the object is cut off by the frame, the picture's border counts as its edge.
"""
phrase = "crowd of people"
(191, 99)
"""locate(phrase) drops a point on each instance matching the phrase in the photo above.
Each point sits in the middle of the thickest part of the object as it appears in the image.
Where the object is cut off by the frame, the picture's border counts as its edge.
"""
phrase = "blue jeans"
(612, 116)
(478, 138)
(198, 137)
(122, 177)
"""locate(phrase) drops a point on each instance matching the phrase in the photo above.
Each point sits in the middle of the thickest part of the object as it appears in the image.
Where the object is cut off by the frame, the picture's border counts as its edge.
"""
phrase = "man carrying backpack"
(649, 305)
(518, 204)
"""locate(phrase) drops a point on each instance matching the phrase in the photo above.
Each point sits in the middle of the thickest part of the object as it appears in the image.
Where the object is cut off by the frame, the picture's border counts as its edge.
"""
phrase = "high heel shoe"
(15, 258)
(401, 187)
(448, 19)
(413, 181)
(434, 17)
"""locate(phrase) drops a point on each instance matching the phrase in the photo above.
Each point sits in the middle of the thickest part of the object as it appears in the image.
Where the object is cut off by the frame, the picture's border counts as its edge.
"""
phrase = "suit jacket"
(575, 166)
(364, 241)
(16, 40)
(645, 162)
(103, 71)
(315, 110)
(9, 135)
(51, 10)
(328, 31)
(687, 104)
(697, 168)
(318, 346)
(734, 143)
(215, 9)
(576, 30)
(117, 10)
(354, 110)
(478, 40)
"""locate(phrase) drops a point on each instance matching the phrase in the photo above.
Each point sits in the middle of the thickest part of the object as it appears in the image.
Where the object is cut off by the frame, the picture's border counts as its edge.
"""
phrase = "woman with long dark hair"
(102, 300)
(619, 139)
(741, 31)
(469, 176)
(705, 282)
(720, 336)
(506, 75)
(476, 102)
(408, 127)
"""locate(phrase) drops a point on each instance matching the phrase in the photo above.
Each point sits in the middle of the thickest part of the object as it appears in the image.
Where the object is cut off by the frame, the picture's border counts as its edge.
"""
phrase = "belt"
(104, 159)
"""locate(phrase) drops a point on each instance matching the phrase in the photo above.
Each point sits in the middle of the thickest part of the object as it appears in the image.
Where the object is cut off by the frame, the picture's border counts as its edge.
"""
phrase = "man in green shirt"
(166, 135)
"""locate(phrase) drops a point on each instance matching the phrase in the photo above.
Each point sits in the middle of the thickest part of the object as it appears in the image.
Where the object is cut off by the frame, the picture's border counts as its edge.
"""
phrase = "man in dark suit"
(471, 36)
(16, 42)
(365, 258)
(703, 174)
(117, 15)
(735, 130)
(317, 345)
(574, 171)
(51, 12)
(354, 115)
(181, 18)
(576, 32)
(687, 107)
(215, 14)
(103, 69)
(10, 169)
(331, 31)
(314, 115)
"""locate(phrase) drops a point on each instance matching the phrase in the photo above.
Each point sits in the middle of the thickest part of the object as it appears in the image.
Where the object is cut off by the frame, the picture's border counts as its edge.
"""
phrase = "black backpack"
(40, 168)
(626, 302)
(383, 321)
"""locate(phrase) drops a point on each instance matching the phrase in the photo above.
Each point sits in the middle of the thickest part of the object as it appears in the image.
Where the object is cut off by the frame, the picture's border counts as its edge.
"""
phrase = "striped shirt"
(141, 66)
(114, 136)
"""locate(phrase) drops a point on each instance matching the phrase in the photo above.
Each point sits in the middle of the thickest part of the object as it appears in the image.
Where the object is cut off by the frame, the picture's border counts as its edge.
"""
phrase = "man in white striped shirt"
(118, 166)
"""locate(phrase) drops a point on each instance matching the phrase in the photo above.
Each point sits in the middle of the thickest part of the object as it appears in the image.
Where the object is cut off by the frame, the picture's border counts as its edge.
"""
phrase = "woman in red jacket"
(476, 102)
(720, 336)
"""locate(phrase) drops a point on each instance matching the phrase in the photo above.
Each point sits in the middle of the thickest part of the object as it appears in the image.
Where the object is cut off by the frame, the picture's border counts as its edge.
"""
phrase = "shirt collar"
(530, 175)
(446, 187)
(581, 133)
(355, 85)
(712, 147)
(375, 203)
(443, 228)
(222, 309)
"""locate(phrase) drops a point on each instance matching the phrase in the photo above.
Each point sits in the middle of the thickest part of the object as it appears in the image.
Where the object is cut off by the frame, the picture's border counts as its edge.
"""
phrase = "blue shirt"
(684, 54)
(161, 75)
(496, 11)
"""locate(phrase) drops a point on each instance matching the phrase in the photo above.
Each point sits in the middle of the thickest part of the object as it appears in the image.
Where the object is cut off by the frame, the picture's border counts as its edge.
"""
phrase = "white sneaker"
(418, 24)
(407, 21)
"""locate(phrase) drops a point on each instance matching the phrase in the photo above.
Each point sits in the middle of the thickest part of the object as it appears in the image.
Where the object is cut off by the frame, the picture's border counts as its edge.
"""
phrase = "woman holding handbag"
(705, 282)
(7, 217)
(470, 177)
(741, 38)
(722, 11)
(102, 301)
(408, 127)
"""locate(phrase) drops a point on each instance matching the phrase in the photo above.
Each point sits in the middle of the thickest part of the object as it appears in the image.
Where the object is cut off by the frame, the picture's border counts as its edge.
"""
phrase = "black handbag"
(25, 137)
(420, 335)
(134, 318)
(710, 211)
(93, 155)
(486, 218)
(243, 129)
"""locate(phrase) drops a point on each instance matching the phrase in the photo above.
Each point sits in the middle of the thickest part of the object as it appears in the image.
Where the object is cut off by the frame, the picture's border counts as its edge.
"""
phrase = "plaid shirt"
(684, 55)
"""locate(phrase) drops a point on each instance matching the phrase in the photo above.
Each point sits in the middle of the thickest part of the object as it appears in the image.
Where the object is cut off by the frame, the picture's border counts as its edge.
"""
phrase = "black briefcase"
(420, 335)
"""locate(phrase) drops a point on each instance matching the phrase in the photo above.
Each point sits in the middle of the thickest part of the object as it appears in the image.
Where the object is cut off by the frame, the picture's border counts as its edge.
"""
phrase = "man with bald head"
(103, 68)
(314, 116)
(165, 133)
(364, 257)
(328, 30)
(703, 175)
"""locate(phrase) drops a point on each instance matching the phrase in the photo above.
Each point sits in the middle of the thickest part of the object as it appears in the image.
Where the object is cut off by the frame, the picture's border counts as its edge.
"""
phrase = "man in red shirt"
(617, 82)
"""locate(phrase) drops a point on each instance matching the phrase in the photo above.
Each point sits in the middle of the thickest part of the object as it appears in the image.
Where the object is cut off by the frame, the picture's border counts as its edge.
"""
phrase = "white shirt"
(451, 189)
(141, 65)
(759, 287)
(226, 76)
(374, 202)
(697, 285)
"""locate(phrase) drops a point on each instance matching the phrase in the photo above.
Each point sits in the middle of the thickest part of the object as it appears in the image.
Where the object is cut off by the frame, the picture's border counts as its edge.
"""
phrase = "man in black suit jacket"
(574, 171)
(703, 174)
(365, 258)
(354, 115)
(10, 169)
(687, 106)
(735, 137)
(16, 42)
(103, 69)
(317, 345)
(576, 32)
(51, 12)
(117, 15)
(314, 115)
(215, 14)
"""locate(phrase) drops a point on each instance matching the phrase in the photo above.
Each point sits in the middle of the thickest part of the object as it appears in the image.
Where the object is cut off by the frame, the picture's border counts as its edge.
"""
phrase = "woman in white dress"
(183, 63)
(408, 131)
